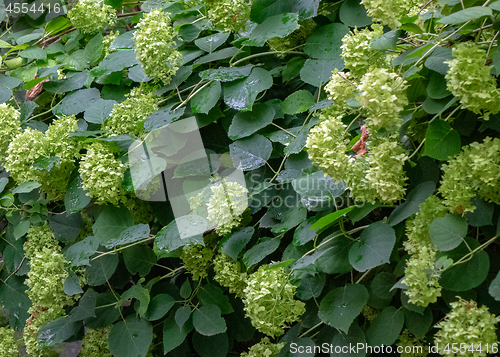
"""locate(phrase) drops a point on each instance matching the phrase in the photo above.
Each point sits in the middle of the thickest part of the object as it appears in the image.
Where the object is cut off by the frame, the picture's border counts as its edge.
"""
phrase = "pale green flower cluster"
(421, 276)
(369, 313)
(102, 174)
(269, 301)
(89, 16)
(228, 274)
(358, 55)
(383, 97)
(339, 89)
(467, 324)
(10, 126)
(31, 145)
(476, 170)
(127, 116)
(227, 204)
(470, 80)
(264, 349)
(95, 343)
(8, 347)
(154, 45)
(107, 40)
(47, 269)
(389, 12)
(297, 37)
(197, 259)
(228, 15)
(411, 345)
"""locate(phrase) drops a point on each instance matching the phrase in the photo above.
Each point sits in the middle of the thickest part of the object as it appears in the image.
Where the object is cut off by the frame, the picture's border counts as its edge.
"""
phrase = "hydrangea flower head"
(95, 343)
(8, 347)
(228, 15)
(197, 259)
(228, 273)
(90, 16)
(389, 12)
(264, 349)
(10, 126)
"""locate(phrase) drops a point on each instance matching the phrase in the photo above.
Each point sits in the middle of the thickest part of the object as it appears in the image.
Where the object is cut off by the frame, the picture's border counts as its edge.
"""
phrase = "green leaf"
(262, 9)
(3, 182)
(139, 259)
(99, 111)
(79, 253)
(311, 286)
(333, 256)
(26, 187)
(139, 293)
(57, 331)
(340, 306)
(382, 284)
(205, 99)
(461, 16)
(346, 341)
(86, 306)
(353, 14)
(304, 233)
(442, 142)
(226, 74)
(172, 335)
(252, 152)
(211, 346)
(275, 26)
(387, 41)
(128, 235)
(374, 247)
(232, 244)
(162, 117)
(58, 24)
(495, 5)
(187, 32)
(217, 56)
(182, 315)
(318, 72)
(76, 197)
(76, 81)
(260, 251)
(292, 68)
(111, 223)
(77, 102)
(331, 218)
(413, 200)
(66, 227)
(470, 273)
(119, 60)
(482, 215)
(101, 269)
(241, 94)
(137, 74)
(168, 239)
(298, 102)
(436, 60)
(290, 219)
(71, 284)
(418, 324)
(299, 142)
(186, 290)
(106, 312)
(33, 53)
(5, 94)
(159, 306)
(123, 41)
(436, 88)
(386, 327)
(130, 338)
(246, 123)
(212, 42)
(14, 299)
(21, 229)
(325, 42)
(207, 320)
(448, 232)
(46, 164)
(210, 294)
(93, 50)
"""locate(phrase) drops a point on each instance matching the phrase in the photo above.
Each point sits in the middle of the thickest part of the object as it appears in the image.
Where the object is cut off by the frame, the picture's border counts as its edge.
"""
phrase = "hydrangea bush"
(268, 177)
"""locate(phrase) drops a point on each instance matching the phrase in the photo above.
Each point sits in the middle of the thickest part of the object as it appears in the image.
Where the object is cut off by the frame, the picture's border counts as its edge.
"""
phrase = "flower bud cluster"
(264, 349)
(31, 145)
(297, 37)
(470, 80)
(228, 15)
(89, 16)
(95, 343)
(228, 274)
(197, 259)
(154, 45)
(10, 126)
(227, 204)
(127, 116)
(102, 174)
(476, 170)
(357, 52)
(339, 89)
(421, 276)
(410, 343)
(389, 12)
(466, 324)
(269, 301)
(8, 347)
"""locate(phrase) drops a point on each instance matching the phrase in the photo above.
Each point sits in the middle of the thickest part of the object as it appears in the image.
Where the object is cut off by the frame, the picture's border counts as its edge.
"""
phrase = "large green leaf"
(260, 251)
(119, 60)
(246, 123)
(442, 142)
(80, 252)
(353, 14)
(76, 197)
(159, 306)
(99, 111)
(448, 232)
(14, 298)
(207, 320)
(325, 42)
(226, 74)
(173, 336)
(111, 223)
(66, 228)
(212, 42)
(205, 99)
(317, 72)
(77, 102)
(418, 324)
(76, 81)
(101, 269)
(275, 26)
(128, 235)
(252, 152)
(93, 50)
(262, 9)
(374, 247)
(413, 200)
(334, 256)
(57, 331)
(465, 15)
(331, 218)
(130, 338)
(311, 286)
(86, 306)
(241, 94)
(211, 346)
(169, 239)
(140, 294)
(386, 327)
(139, 259)
(298, 102)
(340, 306)
(345, 342)
(210, 294)
(232, 244)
